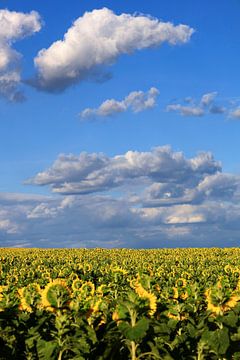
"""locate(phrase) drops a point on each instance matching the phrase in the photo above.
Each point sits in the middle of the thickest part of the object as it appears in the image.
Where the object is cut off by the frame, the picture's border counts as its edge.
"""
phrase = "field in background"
(119, 304)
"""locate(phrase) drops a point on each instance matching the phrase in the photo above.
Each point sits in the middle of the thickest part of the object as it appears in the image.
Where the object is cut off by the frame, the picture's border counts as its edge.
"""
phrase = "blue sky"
(121, 186)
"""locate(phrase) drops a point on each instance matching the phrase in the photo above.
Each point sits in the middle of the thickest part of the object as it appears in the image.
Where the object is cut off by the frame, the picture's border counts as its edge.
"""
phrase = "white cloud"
(8, 227)
(97, 39)
(48, 210)
(89, 173)
(205, 106)
(207, 99)
(186, 110)
(145, 199)
(14, 26)
(235, 114)
(136, 101)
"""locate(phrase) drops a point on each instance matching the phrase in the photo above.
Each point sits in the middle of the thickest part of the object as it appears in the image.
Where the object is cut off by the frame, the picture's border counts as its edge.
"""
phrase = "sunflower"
(76, 284)
(228, 269)
(2, 288)
(73, 276)
(23, 301)
(181, 282)
(95, 312)
(102, 290)
(180, 317)
(29, 296)
(214, 309)
(118, 269)
(55, 295)
(87, 288)
(175, 293)
(142, 293)
(232, 301)
(115, 316)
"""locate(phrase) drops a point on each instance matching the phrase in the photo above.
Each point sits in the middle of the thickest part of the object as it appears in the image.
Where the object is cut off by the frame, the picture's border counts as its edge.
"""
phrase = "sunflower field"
(119, 304)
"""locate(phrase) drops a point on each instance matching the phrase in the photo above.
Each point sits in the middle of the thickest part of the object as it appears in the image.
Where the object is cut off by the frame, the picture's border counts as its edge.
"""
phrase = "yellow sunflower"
(142, 293)
(55, 295)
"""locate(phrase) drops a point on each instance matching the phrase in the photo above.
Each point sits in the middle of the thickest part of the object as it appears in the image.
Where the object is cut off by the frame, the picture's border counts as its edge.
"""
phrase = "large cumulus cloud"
(97, 39)
(89, 173)
(157, 198)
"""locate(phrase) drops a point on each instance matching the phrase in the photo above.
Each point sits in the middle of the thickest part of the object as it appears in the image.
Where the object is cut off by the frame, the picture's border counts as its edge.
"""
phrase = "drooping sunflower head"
(232, 301)
(175, 293)
(213, 303)
(119, 270)
(29, 297)
(228, 269)
(181, 282)
(76, 284)
(2, 288)
(87, 289)
(102, 290)
(144, 294)
(56, 295)
(73, 276)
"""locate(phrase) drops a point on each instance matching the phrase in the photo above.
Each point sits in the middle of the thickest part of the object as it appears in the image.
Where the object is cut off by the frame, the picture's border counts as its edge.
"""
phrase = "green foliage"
(119, 304)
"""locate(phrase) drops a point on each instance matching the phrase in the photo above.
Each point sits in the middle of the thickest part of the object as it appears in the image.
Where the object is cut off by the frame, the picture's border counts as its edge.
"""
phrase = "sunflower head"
(76, 284)
(56, 295)
(181, 282)
(228, 269)
(29, 297)
(214, 303)
(144, 294)
(102, 290)
(87, 289)
(232, 301)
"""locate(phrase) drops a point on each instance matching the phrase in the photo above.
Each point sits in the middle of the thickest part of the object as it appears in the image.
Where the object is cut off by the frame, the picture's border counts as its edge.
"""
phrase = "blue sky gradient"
(33, 133)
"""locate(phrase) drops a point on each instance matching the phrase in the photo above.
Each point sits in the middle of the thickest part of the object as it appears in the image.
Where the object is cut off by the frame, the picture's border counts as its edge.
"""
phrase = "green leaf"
(162, 329)
(136, 332)
(47, 349)
(236, 356)
(191, 330)
(231, 319)
(217, 340)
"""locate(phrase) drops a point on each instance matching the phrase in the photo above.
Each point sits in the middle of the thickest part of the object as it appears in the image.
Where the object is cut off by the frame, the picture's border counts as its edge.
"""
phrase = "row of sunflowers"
(119, 304)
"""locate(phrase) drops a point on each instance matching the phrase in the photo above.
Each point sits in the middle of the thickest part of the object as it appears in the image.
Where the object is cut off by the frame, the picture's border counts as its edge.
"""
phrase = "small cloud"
(9, 83)
(14, 26)
(235, 114)
(205, 106)
(136, 101)
(217, 109)
(186, 110)
(207, 99)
